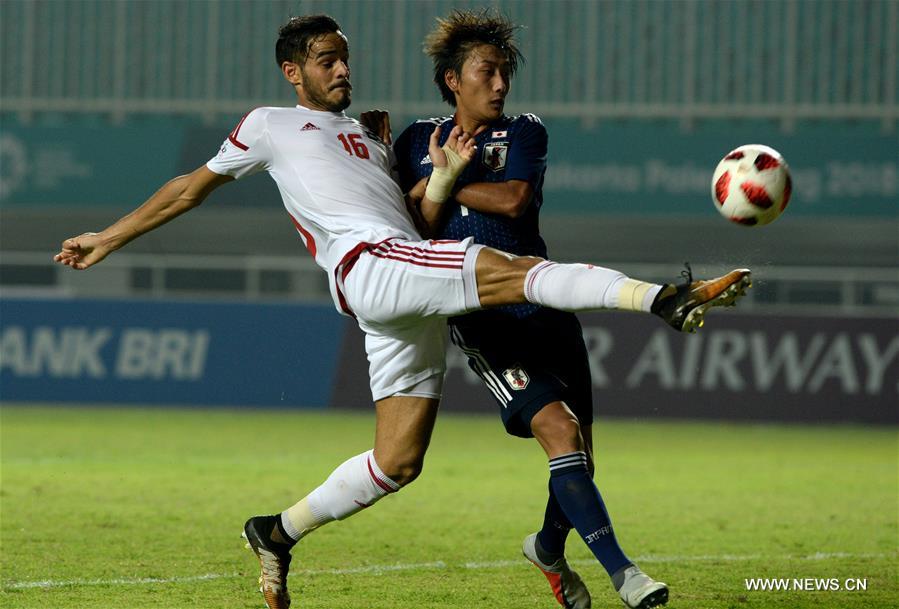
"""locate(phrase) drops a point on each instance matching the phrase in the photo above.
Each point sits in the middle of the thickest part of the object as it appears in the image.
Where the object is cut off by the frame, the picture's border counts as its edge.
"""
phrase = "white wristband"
(442, 180)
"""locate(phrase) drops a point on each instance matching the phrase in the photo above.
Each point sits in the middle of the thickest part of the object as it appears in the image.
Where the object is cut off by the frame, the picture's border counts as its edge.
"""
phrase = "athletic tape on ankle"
(632, 295)
(298, 520)
(442, 180)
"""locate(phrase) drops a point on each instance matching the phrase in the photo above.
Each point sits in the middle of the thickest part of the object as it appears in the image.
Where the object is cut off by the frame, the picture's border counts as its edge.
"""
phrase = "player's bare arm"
(417, 192)
(510, 198)
(176, 196)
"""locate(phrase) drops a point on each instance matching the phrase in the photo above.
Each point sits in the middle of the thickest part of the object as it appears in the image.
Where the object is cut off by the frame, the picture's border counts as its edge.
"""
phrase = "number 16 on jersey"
(354, 145)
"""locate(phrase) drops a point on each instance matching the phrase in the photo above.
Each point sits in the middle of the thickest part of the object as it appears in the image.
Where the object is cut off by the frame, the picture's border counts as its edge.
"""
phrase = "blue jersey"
(511, 148)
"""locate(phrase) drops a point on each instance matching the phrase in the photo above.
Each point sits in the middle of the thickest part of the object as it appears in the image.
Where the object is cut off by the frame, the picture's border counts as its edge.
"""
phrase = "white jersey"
(333, 174)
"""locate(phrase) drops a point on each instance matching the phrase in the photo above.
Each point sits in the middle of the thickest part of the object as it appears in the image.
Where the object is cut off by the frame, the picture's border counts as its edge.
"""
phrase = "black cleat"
(683, 306)
(274, 558)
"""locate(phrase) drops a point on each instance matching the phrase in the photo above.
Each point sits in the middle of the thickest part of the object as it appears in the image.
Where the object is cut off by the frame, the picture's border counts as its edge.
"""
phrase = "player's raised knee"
(501, 276)
(401, 469)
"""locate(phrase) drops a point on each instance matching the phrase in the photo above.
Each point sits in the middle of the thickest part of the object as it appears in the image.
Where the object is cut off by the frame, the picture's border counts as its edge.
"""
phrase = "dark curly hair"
(297, 35)
(449, 44)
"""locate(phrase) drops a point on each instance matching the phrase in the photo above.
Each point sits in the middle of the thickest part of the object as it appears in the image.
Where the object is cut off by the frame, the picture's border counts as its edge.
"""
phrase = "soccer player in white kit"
(335, 180)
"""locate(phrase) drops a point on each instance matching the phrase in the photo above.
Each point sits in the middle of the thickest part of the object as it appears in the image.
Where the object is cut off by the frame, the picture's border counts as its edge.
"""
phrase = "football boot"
(640, 591)
(683, 306)
(274, 558)
(568, 587)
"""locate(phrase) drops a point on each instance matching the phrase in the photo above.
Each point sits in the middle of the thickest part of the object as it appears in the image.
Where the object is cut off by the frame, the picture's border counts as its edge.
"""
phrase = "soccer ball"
(752, 185)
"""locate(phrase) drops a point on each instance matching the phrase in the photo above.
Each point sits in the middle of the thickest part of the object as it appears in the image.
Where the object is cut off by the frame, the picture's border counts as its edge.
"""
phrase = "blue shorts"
(528, 362)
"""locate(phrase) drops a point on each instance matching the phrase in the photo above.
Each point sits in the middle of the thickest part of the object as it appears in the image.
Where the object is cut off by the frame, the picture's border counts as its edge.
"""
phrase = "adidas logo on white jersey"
(426, 160)
(309, 127)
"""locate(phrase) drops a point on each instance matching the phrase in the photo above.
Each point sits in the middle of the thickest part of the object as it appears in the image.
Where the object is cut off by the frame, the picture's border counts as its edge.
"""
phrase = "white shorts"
(401, 293)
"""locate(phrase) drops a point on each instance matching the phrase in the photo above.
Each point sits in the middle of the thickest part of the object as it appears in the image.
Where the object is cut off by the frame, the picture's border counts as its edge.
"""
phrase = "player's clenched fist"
(82, 251)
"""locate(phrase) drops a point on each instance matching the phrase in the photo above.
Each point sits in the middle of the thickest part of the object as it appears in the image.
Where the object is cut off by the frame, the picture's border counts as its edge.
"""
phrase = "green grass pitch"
(113, 508)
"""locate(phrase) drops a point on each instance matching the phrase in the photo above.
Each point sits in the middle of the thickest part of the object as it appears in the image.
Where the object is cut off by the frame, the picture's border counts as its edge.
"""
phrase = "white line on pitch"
(378, 569)
(131, 581)
(123, 581)
(702, 558)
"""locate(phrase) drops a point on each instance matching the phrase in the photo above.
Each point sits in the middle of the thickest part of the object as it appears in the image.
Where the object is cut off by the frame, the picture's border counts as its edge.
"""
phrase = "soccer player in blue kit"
(532, 358)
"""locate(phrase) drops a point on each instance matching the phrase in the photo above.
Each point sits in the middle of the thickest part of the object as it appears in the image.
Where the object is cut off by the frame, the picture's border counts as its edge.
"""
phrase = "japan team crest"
(517, 378)
(495, 155)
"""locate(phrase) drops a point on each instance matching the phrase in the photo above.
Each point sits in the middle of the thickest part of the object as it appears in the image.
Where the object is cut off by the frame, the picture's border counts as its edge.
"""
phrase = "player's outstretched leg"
(274, 558)
(567, 585)
(683, 306)
(504, 279)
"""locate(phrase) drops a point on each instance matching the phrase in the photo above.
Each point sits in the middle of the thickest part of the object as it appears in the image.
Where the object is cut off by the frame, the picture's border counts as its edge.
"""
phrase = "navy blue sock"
(551, 538)
(582, 504)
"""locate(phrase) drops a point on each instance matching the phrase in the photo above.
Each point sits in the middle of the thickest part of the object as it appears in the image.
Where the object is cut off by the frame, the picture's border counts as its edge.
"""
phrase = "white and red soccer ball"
(752, 185)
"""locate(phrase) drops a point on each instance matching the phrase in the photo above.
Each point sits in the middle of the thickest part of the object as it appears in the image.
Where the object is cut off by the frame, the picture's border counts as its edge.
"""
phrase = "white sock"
(356, 484)
(584, 287)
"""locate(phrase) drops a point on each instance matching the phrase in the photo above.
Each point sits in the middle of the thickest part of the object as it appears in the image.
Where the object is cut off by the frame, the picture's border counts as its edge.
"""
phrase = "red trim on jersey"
(415, 262)
(344, 306)
(415, 252)
(234, 141)
(410, 248)
(232, 137)
(377, 480)
(349, 260)
(310, 240)
(343, 269)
